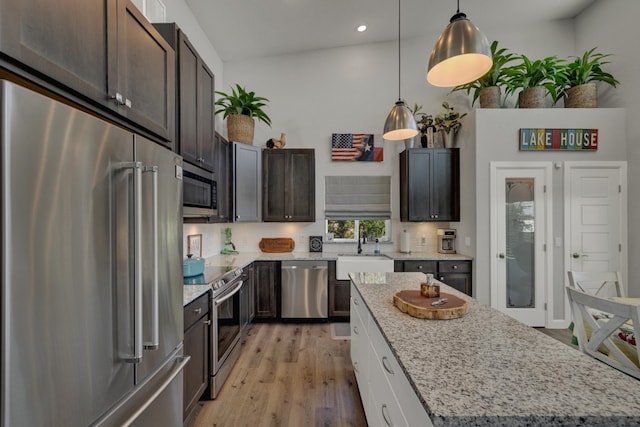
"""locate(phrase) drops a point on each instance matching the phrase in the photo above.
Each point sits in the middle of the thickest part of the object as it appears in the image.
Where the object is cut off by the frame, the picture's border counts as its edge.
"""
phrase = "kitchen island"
(484, 368)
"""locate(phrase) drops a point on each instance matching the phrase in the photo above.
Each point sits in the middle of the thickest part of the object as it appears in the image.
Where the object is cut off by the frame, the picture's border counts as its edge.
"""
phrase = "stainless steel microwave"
(200, 193)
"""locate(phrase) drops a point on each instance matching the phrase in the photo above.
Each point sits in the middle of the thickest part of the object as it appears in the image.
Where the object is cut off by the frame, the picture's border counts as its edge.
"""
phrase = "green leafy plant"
(588, 68)
(423, 120)
(240, 101)
(450, 119)
(548, 72)
(496, 76)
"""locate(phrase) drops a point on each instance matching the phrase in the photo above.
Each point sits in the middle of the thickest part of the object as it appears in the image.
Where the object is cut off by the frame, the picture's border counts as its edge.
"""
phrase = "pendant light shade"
(461, 55)
(400, 123)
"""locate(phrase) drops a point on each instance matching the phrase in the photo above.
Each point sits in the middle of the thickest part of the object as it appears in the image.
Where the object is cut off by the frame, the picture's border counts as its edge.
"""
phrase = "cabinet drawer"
(411, 408)
(454, 267)
(195, 310)
(420, 266)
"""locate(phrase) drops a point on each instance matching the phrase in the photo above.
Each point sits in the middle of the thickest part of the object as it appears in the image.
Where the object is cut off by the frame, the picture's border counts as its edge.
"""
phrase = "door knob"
(501, 255)
(576, 255)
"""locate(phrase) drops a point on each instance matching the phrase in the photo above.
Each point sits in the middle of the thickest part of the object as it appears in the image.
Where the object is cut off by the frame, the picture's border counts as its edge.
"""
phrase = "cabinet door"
(274, 186)
(301, 186)
(206, 122)
(459, 281)
(196, 345)
(65, 40)
(415, 172)
(145, 73)
(222, 177)
(247, 183)
(339, 294)
(445, 185)
(188, 100)
(266, 279)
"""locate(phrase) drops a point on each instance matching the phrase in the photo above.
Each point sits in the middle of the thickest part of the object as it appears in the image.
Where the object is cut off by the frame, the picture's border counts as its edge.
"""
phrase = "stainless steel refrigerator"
(91, 296)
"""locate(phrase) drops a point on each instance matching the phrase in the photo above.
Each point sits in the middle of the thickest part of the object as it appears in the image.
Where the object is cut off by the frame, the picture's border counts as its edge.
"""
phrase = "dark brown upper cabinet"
(195, 133)
(103, 51)
(289, 185)
(430, 184)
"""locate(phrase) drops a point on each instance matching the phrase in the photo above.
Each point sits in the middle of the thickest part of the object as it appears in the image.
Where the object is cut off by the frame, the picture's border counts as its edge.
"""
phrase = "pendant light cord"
(399, 99)
(458, 11)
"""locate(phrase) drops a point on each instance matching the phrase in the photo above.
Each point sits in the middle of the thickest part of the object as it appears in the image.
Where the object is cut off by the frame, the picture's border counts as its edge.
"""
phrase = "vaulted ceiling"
(241, 29)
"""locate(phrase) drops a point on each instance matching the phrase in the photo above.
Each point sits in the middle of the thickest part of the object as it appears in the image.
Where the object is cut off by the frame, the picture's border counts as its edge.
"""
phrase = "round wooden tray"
(414, 304)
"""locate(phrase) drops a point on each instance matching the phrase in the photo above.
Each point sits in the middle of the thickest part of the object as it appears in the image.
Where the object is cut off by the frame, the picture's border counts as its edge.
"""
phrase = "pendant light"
(461, 55)
(400, 123)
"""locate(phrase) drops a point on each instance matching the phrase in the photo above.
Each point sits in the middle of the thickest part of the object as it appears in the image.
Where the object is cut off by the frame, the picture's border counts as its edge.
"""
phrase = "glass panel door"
(520, 242)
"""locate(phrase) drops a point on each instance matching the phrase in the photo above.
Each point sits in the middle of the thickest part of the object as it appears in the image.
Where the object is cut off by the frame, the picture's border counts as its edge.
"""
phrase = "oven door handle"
(230, 294)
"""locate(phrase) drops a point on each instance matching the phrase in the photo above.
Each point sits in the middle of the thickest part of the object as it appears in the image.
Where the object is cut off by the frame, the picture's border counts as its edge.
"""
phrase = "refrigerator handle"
(155, 341)
(136, 357)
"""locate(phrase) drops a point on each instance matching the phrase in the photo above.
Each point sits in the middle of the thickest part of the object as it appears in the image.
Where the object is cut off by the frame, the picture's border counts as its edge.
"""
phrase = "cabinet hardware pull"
(385, 365)
(419, 267)
(207, 322)
(198, 310)
(455, 267)
(355, 330)
(127, 103)
(118, 98)
(355, 302)
(385, 415)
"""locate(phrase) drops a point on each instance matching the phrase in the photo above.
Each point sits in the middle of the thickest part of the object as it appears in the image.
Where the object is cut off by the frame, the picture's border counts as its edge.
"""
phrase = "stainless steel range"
(226, 322)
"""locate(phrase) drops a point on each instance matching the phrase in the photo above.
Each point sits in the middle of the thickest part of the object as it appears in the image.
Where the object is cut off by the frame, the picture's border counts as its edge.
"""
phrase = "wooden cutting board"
(414, 304)
(276, 244)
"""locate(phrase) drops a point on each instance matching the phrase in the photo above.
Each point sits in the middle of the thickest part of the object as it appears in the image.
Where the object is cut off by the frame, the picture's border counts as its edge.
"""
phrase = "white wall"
(594, 28)
(493, 133)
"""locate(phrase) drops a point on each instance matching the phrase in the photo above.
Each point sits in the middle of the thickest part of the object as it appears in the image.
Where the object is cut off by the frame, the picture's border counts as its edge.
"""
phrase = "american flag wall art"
(362, 147)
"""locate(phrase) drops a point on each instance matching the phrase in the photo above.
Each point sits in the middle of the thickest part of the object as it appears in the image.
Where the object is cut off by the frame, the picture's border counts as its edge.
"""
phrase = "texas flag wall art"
(362, 147)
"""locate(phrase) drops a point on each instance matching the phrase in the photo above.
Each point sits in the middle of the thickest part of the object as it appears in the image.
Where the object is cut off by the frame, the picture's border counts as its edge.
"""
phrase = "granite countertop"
(242, 260)
(486, 368)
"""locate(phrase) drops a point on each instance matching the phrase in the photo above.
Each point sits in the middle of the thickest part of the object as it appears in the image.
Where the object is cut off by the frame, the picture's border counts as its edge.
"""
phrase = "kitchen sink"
(367, 263)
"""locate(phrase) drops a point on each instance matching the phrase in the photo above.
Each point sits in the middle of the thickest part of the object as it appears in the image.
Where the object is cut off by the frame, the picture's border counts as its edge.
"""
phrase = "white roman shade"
(357, 197)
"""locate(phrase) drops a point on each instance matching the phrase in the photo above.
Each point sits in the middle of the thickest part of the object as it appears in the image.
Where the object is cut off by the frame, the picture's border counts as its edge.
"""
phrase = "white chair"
(603, 284)
(599, 338)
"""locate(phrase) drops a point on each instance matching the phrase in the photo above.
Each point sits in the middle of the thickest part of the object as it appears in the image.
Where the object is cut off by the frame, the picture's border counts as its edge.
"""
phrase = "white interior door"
(520, 225)
(596, 217)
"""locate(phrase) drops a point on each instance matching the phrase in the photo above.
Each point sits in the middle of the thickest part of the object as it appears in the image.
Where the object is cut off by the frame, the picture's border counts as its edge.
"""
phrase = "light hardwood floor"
(287, 375)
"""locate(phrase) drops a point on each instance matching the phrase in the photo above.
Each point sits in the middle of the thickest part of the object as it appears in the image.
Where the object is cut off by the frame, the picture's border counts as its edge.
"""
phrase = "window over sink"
(349, 230)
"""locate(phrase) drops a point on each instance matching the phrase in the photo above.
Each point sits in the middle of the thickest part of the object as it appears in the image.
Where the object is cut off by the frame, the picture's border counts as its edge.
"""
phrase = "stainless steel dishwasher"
(305, 289)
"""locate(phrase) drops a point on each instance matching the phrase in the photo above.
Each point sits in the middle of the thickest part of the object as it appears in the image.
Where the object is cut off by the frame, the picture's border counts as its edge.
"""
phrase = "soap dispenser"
(377, 249)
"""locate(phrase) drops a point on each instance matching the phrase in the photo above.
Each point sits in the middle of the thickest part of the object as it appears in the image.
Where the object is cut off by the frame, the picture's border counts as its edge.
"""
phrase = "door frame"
(623, 220)
(546, 167)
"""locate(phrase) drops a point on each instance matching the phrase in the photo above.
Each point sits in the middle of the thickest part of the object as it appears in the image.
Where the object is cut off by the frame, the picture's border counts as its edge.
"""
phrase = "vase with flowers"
(448, 123)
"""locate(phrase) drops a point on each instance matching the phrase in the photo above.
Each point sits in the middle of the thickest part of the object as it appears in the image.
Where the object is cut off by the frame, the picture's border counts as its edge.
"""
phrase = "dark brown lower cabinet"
(339, 295)
(267, 286)
(196, 344)
(457, 274)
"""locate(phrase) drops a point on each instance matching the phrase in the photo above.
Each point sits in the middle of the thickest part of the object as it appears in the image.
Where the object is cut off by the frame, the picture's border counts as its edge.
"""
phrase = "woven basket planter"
(533, 97)
(583, 96)
(240, 128)
(490, 97)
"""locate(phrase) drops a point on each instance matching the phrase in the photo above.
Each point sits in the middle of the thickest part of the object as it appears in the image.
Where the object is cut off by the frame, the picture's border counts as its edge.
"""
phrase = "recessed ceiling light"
(361, 28)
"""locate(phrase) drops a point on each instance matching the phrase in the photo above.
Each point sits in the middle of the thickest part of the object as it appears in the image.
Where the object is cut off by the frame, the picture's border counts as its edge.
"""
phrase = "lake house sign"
(558, 139)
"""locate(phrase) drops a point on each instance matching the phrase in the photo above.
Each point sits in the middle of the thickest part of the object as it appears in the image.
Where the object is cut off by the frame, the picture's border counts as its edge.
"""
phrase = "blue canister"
(192, 266)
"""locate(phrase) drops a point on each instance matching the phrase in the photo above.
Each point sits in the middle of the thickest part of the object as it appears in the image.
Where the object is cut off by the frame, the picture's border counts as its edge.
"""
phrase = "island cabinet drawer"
(411, 408)
(420, 266)
(454, 267)
(196, 309)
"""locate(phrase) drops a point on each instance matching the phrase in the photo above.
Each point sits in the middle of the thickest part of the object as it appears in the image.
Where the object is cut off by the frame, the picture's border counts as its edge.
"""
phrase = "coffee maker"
(446, 240)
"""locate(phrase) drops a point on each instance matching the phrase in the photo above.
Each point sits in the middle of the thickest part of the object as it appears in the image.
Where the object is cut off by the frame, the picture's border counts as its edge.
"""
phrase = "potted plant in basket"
(240, 107)
(581, 75)
(536, 79)
(448, 123)
(488, 87)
